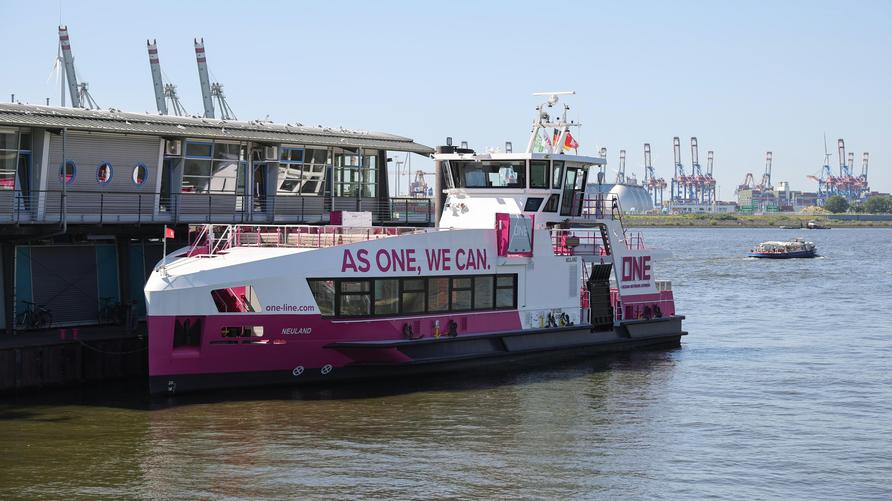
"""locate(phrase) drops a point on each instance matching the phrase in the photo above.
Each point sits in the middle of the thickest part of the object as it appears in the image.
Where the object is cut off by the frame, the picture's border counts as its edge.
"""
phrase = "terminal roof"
(115, 121)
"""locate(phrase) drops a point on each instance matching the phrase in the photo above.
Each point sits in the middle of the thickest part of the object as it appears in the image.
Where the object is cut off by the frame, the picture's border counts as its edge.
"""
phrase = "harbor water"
(782, 389)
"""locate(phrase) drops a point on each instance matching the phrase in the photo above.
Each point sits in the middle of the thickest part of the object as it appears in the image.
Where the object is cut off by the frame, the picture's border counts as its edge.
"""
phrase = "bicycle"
(111, 311)
(35, 316)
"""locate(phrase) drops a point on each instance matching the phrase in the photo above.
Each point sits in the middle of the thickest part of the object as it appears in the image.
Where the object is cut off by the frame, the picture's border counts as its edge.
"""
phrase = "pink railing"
(215, 238)
(578, 242)
(663, 306)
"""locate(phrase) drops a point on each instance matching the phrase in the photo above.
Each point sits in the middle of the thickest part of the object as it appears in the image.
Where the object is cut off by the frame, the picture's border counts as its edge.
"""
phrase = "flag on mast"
(168, 233)
(538, 146)
(570, 143)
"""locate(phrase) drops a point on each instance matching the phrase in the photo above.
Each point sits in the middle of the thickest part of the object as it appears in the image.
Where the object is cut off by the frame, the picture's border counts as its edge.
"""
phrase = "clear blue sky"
(744, 77)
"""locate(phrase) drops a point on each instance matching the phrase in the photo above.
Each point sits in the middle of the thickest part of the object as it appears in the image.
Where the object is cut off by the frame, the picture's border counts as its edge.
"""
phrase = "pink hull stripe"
(290, 341)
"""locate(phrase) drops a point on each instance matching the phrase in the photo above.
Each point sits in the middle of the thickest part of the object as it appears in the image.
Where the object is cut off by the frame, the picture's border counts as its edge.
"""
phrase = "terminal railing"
(127, 207)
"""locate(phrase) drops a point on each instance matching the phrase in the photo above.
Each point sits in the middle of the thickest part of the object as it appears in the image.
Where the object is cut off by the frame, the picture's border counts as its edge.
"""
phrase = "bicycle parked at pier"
(35, 316)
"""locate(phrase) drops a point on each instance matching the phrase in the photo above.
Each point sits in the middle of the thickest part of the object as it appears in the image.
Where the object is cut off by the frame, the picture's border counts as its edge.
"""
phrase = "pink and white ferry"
(521, 267)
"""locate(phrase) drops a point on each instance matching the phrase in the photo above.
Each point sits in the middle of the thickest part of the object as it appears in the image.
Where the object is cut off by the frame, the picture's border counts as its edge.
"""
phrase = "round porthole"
(104, 173)
(67, 172)
(140, 173)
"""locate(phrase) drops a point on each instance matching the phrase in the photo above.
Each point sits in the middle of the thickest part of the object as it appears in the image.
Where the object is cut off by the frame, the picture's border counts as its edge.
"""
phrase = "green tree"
(836, 204)
(878, 204)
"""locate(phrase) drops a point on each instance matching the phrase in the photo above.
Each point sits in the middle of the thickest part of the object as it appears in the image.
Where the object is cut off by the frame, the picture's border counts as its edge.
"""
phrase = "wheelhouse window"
(552, 204)
(557, 172)
(489, 174)
(412, 296)
(539, 174)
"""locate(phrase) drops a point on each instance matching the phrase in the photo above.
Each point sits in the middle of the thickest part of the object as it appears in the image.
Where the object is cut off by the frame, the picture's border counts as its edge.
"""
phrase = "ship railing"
(213, 239)
(578, 242)
(601, 206)
(662, 306)
(544, 318)
(634, 241)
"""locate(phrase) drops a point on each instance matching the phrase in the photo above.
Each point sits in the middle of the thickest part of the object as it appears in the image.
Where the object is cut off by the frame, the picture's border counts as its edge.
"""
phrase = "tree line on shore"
(877, 204)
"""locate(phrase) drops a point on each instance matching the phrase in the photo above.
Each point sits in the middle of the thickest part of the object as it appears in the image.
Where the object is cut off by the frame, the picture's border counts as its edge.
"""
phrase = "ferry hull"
(495, 351)
(783, 255)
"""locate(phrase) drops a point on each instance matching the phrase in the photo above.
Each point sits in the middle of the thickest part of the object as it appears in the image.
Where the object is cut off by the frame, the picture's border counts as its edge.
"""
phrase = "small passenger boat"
(784, 250)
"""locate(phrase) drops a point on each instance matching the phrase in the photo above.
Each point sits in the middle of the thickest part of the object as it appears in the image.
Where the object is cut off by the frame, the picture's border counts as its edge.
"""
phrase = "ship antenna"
(543, 120)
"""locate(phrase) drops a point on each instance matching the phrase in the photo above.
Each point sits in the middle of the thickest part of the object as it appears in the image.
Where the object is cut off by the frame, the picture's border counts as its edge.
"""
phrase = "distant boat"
(814, 225)
(789, 227)
(796, 248)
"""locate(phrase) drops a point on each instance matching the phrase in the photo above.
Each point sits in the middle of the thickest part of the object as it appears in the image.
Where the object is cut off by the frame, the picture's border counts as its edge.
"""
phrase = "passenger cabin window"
(489, 174)
(539, 174)
(552, 204)
(409, 296)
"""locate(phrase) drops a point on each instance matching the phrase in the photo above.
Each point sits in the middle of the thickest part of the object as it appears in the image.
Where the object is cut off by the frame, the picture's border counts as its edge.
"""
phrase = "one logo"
(326, 369)
(298, 371)
(636, 268)
(171, 386)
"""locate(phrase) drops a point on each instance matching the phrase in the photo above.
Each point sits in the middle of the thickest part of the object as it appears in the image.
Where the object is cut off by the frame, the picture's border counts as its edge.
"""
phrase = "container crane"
(679, 188)
(204, 79)
(80, 92)
(863, 175)
(697, 180)
(710, 181)
(765, 184)
(157, 82)
(163, 92)
(621, 173)
(654, 185)
(68, 61)
(826, 180)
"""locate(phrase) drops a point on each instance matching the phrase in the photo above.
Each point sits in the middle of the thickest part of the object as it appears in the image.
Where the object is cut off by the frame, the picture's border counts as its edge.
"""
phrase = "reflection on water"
(781, 390)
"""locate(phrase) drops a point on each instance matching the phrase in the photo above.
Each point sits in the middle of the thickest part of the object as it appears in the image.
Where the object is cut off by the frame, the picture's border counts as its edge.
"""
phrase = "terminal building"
(85, 195)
